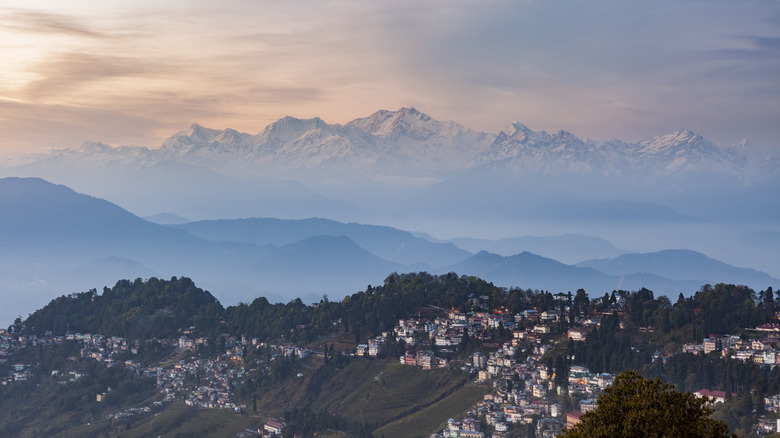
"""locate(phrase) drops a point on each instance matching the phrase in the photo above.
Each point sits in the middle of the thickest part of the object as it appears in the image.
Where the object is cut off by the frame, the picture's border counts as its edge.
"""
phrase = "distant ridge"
(56, 241)
(567, 248)
(389, 243)
(167, 219)
(682, 264)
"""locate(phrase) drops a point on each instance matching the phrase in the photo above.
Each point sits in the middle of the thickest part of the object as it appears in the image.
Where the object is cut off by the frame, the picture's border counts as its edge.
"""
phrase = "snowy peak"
(677, 141)
(406, 121)
(741, 145)
(95, 147)
(290, 128)
(196, 135)
(516, 128)
(409, 123)
(686, 152)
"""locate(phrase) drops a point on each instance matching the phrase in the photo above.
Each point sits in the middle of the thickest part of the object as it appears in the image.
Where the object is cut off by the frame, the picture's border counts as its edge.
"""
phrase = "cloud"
(599, 68)
(592, 67)
(46, 23)
(69, 73)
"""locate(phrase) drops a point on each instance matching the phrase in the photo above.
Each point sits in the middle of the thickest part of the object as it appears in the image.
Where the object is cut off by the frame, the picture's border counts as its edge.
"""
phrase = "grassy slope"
(177, 419)
(402, 400)
(384, 391)
(434, 417)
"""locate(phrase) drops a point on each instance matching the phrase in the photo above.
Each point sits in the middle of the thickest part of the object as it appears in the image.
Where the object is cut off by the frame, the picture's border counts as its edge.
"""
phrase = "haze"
(640, 129)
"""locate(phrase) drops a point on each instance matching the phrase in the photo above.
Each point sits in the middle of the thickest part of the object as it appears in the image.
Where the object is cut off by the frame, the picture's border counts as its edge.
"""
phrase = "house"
(361, 350)
(573, 418)
(719, 396)
(409, 359)
(771, 327)
(760, 345)
(541, 329)
(538, 391)
(273, 427)
(577, 335)
(605, 380)
(185, 343)
(711, 344)
(693, 348)
(744, 355)
(588, 405)
(479, 360)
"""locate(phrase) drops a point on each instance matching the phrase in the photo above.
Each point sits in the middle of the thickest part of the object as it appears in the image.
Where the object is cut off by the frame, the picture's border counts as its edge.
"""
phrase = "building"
(573, 418)
(273, 427)
(480, 361)
(577, 335)
(588, 405)
(711, 344)
(719, 396)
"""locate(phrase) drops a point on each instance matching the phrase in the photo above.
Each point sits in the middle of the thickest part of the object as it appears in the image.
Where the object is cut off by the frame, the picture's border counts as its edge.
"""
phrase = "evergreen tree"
(637, 407)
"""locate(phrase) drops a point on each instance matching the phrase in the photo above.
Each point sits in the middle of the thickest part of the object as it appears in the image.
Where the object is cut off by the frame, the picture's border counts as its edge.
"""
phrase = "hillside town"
(525, 389)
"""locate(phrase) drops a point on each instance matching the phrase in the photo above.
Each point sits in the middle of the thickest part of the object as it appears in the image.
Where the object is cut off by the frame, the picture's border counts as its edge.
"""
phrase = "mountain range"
(56, 241)
(408, 145)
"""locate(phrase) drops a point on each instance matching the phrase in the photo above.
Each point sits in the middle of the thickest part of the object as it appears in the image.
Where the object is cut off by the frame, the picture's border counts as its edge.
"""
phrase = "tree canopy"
(637, 407)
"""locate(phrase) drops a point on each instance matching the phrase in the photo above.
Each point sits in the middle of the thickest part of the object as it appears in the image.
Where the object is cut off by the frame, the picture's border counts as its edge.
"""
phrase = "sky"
(135, 72)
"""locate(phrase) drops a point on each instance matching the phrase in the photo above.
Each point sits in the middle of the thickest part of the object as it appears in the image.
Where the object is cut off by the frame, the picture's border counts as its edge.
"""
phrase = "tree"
(637, 407)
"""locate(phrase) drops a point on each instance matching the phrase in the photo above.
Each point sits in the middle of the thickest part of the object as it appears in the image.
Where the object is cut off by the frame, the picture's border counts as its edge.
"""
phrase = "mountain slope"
(528, 270)
(388, 243)
(682, 265)
(665, 273)
(57, 241)
(567, 248)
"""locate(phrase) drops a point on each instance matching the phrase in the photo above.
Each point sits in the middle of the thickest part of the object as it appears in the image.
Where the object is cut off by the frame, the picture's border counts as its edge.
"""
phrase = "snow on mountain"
(203, 146)
(404, 143)
(416, 138)
(683, 151)
(288, 129)
(522, 149)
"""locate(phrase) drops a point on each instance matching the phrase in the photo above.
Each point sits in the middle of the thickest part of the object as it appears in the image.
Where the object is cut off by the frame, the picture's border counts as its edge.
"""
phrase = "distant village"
(523, 391)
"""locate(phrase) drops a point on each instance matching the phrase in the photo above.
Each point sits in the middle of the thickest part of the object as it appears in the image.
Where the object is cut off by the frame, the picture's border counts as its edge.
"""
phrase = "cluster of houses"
(523, 386)
(213, 388)
(373, 348)
(760, 351)
(529, 402)
(522, 389)
(213, 379)
(9, 342)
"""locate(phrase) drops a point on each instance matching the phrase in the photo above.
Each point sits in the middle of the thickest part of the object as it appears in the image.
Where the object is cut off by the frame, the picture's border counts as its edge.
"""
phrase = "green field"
(368, 394)
(375, 392)
(177, 420)
(433, 418)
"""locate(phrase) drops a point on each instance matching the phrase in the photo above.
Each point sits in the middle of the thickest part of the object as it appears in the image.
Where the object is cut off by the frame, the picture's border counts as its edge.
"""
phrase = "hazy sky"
(135, 72)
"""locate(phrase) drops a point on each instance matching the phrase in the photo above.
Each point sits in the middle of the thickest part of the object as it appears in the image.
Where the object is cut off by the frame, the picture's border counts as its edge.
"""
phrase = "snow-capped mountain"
(403, 144)
(523, 150)
(684, 151)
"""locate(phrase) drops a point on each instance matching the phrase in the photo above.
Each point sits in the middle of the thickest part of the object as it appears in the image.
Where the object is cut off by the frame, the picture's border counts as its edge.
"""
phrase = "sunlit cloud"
(46, 23)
